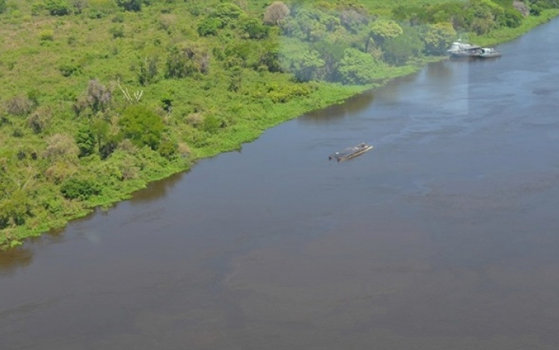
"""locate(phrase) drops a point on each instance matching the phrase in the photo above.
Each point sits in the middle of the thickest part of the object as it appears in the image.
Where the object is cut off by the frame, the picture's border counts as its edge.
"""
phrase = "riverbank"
(217, 141)
(503, 35)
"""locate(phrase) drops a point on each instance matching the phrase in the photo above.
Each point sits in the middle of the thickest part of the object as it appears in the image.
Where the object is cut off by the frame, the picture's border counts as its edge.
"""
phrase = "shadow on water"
(351, 106)
(23, 256)
(439, 71)
(156, 189)
(13, 259)
(356, 104)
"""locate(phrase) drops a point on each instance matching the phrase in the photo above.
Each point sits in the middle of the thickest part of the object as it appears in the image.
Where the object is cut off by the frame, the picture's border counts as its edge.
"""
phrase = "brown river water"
(445, 236)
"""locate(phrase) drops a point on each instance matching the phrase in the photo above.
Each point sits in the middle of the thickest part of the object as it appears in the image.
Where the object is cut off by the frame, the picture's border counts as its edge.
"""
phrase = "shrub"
(537, 6)
(81, 189)
(60, 170)
(168, 148)
(280, 93)
(2, 6)
(57, 7)
(38, 120)
(142, 126)
(61, 146)
(480, 16)
(195, 119)
(19, 105)
(183, 149)
(535, 10)
(37, 8)
(357, 67)
(131, 5)
(21, 155)
(17, 133)
(128, 170)
(117, 31)
(275, 13)
(46, 35)
(180, 63)
(401, 48)
(512, 18)
(79, 5)
(148, 70)
(127, 146)
(118, 18)
(108, 147)
(185, 61)
(98, 96)
(212, 124)
(306, 65)
(438, 38)
(227, 11)
(85, 140)
(353, 19)
(13, 211)
(270, 58)
(69, 69)
(382, 30)
(167, 22)
(209, 26)
(254, 29)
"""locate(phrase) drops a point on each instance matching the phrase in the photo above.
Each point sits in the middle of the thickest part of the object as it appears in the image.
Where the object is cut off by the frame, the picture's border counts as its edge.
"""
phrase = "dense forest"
(100, 97)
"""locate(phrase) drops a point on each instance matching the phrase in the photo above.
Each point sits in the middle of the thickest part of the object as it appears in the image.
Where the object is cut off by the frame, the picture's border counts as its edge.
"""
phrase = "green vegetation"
(100, 97)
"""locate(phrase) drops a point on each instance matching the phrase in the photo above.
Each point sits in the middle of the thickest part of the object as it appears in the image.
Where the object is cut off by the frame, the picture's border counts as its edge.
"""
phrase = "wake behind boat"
(350, 152)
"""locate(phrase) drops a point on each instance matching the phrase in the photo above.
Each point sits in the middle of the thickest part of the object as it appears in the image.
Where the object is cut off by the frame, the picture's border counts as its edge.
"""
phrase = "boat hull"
(349, 154)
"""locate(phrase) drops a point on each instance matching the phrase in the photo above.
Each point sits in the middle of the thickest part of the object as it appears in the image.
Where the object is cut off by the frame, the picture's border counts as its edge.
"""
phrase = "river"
(445, 236)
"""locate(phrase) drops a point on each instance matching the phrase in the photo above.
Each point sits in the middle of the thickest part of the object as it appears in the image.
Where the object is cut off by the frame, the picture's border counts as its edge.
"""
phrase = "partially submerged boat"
(350, 152)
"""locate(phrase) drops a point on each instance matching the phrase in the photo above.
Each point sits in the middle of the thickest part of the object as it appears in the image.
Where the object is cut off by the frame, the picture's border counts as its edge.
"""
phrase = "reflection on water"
(13, 259)
(445, 236)
(352, 106)
(157, 189)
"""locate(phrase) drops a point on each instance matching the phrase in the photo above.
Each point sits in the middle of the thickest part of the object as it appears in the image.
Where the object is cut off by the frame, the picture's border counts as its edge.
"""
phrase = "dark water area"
(445, 236)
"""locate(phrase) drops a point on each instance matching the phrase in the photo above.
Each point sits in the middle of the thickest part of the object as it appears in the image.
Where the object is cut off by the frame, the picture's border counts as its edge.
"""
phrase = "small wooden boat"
(350, 152)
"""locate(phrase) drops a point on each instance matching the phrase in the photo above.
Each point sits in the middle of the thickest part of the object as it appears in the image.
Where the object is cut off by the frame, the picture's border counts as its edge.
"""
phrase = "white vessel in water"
(488, 52)
(460, 49)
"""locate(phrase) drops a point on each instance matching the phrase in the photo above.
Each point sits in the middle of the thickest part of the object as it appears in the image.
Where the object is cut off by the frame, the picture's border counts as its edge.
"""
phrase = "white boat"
(460, 49)
(488, 52)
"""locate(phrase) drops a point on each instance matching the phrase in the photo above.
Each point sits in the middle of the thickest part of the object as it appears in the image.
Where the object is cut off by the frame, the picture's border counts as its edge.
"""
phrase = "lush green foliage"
(82, 189)
(58, 7)
(132, 5)
(357, 67)
(100, 97)
(142, 126)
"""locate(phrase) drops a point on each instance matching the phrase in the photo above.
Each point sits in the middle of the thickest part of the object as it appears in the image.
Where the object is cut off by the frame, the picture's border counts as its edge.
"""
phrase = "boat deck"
(350, 152)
